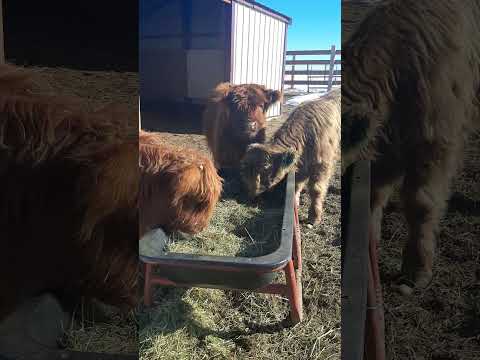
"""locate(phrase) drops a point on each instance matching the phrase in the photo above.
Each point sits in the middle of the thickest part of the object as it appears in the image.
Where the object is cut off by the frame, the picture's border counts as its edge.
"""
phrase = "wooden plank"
(311, 62)
(312, 82)
(312, 52)
(313, 72)
(332, 67)
(355, 259)
(293, 73)
(308, 52)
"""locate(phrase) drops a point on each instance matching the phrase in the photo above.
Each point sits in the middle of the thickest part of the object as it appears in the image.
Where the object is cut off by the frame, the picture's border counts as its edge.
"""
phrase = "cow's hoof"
(312, 221)
(406, 287)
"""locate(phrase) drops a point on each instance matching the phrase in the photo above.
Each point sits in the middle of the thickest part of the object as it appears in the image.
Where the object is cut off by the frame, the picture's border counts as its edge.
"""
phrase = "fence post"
(332, 68)
(308, 79)
(293, 71)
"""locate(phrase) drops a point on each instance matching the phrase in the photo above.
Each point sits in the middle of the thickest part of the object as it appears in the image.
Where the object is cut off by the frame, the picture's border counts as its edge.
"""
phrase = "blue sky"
(315, 23)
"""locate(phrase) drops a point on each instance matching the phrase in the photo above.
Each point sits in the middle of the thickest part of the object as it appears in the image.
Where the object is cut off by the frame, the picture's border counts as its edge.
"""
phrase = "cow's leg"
(384, 179)
(379, 199)
(425, 192)
(299, 185)
(318, 187)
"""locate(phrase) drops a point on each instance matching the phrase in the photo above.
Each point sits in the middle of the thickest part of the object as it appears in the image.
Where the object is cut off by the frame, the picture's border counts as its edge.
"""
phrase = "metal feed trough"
(238, 273)
(363, 335)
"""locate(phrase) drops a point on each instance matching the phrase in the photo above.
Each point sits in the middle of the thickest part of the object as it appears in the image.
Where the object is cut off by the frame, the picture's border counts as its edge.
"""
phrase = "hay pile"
(237, 228)
(113, 332)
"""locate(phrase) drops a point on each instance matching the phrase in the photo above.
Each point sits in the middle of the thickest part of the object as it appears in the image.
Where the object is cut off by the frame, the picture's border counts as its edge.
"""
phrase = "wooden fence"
(315, 70)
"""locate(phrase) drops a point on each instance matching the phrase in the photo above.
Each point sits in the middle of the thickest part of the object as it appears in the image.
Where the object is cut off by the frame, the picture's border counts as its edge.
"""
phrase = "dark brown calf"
(235, 118)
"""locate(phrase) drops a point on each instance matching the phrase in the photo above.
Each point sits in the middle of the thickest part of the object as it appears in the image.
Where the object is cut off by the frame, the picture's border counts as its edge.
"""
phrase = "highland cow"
(235, 118)
(179, 187)
(307, 143)
(411, 86)
(68, 205)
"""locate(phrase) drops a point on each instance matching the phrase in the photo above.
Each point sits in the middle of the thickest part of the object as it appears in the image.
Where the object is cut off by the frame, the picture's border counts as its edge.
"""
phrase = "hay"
(214, 324)
(237, 228)
(114, 333)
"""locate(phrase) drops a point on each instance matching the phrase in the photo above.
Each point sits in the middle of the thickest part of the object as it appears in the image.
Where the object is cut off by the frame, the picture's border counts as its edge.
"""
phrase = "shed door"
(258, 49)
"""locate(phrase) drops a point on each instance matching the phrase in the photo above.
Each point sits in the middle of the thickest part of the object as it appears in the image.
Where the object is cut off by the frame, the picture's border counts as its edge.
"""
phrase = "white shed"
(187, 47)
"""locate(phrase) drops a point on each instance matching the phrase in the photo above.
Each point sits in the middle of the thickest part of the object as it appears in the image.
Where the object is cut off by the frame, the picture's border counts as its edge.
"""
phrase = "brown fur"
(353, 12)
(410, 96)
(68, 205)
(308, 142)
(235, 118)
(179, 187)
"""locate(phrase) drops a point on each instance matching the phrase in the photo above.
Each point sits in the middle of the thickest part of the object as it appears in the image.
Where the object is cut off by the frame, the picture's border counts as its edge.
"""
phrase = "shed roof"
(264, 9)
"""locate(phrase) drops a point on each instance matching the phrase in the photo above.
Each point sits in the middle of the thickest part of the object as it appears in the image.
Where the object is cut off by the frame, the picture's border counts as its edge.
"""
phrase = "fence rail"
(310, 71)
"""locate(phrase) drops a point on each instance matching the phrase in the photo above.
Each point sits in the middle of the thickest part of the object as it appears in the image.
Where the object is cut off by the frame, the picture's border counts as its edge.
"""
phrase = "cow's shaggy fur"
(410, 95)
(308, 142)
(234, 118)
(353, 12)
(179, 187)
(68, 205)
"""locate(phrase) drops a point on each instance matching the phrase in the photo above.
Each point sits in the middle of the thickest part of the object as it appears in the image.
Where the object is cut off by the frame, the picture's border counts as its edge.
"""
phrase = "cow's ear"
(272, 97)
(285, 161)
(221, 91)
(355, 130)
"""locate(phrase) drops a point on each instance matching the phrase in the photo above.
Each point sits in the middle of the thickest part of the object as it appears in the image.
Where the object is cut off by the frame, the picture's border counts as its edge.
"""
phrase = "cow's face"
(262, 167)
(248, 105)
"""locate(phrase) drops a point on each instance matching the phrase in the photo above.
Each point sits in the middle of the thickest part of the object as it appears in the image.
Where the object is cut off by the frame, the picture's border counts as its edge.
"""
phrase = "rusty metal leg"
(294, 295)
(147, 290)
(297, 241)
(375, 324)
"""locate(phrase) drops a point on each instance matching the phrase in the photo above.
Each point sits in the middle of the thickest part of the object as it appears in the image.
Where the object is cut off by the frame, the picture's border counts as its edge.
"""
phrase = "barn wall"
(179, 59)
(258, 49)
(205, 70)
(163, 73)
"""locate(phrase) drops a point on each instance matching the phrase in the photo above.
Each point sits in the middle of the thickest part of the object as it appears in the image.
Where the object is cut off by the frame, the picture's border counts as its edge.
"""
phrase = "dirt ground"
(441, 322)
(214, 324)
(115, 332)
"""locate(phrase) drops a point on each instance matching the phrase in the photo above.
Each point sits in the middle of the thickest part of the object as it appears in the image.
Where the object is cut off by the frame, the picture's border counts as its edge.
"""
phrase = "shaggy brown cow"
(179, 187)
(308, 142)
(68, 205)
(410, 95)
(353, 12)
(235, 118)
